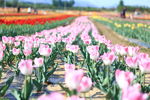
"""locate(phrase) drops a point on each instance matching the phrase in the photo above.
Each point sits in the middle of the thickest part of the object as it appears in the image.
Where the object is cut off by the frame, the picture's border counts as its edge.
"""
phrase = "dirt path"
(116, 38)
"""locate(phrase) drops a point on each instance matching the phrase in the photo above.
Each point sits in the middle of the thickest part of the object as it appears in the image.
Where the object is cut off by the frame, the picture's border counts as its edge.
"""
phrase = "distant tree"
(14, 3)
(64, 3)
(56, 3)
(71, 3)
(120, 6)
(2, 3)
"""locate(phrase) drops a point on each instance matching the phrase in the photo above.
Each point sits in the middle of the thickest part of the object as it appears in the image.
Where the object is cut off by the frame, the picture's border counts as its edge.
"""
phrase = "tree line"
(67, 4)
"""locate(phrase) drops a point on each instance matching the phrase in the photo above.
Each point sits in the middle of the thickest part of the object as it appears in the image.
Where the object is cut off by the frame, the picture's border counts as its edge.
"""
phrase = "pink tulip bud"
(72, 48)
(123, 78)
(133, 51)
(85, 84)
(44, 50)
(25, 66)
(73, 78)
(27, 52)
(38, 62)
(133, 93)
(16, 44)
(108, 58)
(142, 56)
(5, 39)
(94, 55)
(11, 40)
(132, 62)
(15, 51)
(92, 48)
(144, 65)
(121, 50)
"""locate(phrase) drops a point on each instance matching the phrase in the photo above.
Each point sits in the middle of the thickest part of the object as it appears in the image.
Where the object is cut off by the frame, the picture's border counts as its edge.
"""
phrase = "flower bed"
(138, 31)
(14, 30)
(34, 20)
(116, 70)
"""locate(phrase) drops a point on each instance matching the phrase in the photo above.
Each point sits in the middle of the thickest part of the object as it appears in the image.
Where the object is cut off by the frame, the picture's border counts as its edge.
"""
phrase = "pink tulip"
(5, 39)
(73, 78)
(28, 45)
(75, 98)
(69, 67)
(2, 46)
(142, 56)
(85, 84)
(87, 41)
(108, 58)
(121, 50)
(144, 65)
(132, 62)
(52, 96)
(72, 48)
(1, 55)
(93, 48)
(94, 55)
(38, 62)
(27, 52)
(123, 78)
(20, 38)
(16, 44)
(133, 51)
(11, 40)
(133, 93)
(15, 51)
(44, 50)
(25, 66)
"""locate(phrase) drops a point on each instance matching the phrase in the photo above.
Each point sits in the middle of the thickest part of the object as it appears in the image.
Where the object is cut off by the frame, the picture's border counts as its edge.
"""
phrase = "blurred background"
(8, 6)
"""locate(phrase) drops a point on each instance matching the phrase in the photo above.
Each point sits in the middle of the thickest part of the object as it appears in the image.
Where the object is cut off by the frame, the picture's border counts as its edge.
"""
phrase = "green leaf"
(4, 88)
(106, 80)
(66, 89)
(37, 84)
(27, 90)
(52, 71)
(16, 94)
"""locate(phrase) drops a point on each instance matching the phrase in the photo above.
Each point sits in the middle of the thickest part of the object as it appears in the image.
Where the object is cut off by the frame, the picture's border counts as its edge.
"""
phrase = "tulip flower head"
(25, 67)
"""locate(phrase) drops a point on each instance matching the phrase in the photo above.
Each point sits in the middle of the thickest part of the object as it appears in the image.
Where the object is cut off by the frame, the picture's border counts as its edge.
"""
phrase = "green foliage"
(120, 6)
(61, 4)
(5, 87)
(2, 3)
(26, 91)
(14, 30)
(140, 33)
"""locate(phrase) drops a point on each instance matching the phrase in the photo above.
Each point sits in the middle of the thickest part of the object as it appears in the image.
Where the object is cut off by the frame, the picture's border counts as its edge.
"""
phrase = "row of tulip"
(133, 30)
(32, 20)
(17, 14)
(11, 18)
(116, 70)
(14, 30)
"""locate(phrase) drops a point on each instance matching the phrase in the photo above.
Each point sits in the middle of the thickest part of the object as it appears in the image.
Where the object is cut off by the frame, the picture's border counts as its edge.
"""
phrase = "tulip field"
(25, 24)
(33, 48)
(128, 29)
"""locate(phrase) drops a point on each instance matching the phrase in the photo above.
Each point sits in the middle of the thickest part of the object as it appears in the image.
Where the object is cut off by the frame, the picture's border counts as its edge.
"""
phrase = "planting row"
(32, 20)
(138, 31)
(13, 30)
(116, 70)
(17, 14)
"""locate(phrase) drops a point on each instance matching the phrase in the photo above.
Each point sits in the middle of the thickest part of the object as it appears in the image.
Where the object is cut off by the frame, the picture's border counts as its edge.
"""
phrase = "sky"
(101, 3)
